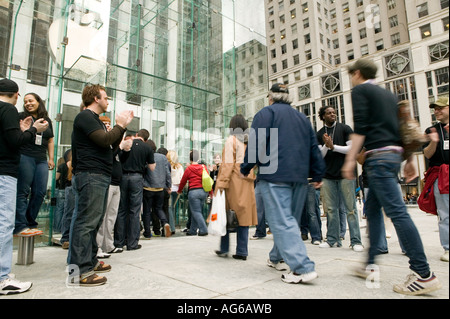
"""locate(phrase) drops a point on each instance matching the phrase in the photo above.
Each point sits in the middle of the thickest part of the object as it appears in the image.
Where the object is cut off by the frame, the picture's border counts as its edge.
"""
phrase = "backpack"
(207, 181)
(411, 135)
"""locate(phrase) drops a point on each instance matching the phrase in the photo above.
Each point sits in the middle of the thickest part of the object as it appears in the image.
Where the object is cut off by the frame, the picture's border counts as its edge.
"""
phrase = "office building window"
(391, 4)
(362, 33)
(309, 71)
(308, 55)
(439, 52)
(6, 17)
(422, 10)
(294, 28)
(397, 63)
(425, 31)
(296, 59)
(379, 44)
(445, 23)
(284, 64)
(364, 50)
(393, 21)
(349, 38)
(295, 44)
(304, 92)
(395, 38)
(331, 83)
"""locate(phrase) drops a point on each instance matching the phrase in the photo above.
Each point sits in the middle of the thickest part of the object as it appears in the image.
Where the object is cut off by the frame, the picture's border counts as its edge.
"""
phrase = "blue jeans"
(32, 183)
(284, 205)
(59, 210)
(241, 241)
(172, 210)
(442, 209)
(261, 227)
(382, 172)
(8, 189)
(69, 206)
(91, 196)
(332, 190)
(128, 226)
(312, 214)
(197, 198)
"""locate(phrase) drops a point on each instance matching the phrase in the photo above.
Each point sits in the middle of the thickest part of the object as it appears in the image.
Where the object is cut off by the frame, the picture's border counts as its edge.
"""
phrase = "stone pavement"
(184, 268)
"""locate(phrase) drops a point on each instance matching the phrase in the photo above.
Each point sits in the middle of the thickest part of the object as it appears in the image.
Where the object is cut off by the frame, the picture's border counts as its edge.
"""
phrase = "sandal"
(102, 267)
(92, 280)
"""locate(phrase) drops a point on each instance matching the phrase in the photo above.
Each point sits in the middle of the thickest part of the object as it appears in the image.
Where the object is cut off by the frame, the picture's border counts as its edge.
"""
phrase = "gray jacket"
(160, 177)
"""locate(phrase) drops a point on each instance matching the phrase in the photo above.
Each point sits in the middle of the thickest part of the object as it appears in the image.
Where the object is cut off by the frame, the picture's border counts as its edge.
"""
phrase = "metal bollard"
(25, 252)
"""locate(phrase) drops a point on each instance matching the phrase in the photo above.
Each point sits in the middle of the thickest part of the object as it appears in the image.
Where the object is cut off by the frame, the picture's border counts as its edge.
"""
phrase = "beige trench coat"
(239, 192)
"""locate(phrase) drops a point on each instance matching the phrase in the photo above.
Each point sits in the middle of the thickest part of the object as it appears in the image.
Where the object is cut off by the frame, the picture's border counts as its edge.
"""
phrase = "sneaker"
(254, 237)
(167, 231)
(444, 257)
(371, 270)
(28, 232)
(325, 245)
(358, 248)
(293, 278)
(116, 251)
(416, 285)
(316, 242)
(102, 267)
(12, 286)
(280, 266)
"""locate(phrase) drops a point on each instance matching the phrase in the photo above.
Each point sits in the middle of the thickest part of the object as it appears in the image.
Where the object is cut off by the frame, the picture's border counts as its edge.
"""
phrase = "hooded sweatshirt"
(193, 174)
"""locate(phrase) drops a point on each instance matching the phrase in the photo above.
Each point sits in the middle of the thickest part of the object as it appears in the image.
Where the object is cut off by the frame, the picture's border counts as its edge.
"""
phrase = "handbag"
(207, 181)
(410, 132)
(232, 220)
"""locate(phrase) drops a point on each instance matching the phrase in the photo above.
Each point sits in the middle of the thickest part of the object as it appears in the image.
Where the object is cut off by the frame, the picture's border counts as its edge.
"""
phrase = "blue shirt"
(283, 144)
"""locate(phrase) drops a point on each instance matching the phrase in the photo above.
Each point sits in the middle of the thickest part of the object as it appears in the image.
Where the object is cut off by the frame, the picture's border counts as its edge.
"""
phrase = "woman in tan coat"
(239, 190)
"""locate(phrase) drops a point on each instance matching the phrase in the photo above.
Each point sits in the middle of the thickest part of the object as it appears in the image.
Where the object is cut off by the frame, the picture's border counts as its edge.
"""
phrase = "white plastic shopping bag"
(218, 219)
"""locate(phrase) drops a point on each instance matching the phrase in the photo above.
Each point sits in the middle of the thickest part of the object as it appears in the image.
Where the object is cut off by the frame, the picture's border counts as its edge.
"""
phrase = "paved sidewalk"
(183, 267)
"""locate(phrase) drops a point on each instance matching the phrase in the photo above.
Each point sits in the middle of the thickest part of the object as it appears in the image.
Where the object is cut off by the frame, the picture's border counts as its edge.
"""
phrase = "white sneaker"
(13, 286)
(324, 245)
(316, 242)
(280, 266)
(444, 257)
(293, 278)
(416, 285)
(358, 248)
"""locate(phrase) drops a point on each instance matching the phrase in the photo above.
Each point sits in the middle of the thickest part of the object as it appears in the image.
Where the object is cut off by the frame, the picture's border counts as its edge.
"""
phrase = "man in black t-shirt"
(13, 134)
(334, 143)
(128, 226)
(437, 153)
(92, 162)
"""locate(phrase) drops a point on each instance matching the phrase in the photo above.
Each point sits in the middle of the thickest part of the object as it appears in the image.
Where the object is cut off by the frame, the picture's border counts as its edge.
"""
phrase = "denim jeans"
(312, 214)
(241, 241)
(69, 206)
(128, 225)
(261, 227)
(382, 172)
(91, 196)
(59, 210)
(32, 184)
(8, 189)
(197, 198)
(172, 210)
(153, 210)
(284, 204)
(332, 190)
(442, 208)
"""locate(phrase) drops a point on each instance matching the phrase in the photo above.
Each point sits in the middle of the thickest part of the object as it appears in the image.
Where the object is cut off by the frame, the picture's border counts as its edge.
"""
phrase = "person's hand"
(433, 135)
(410, 171)
(25, 124)
(124, 118)
(328, 141)
(51, 164)
(41, 125)
(125, 145)
(348, 169)
(317, 185)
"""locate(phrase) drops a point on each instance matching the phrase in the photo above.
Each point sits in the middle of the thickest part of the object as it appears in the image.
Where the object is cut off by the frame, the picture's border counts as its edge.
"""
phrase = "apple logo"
(86, 48)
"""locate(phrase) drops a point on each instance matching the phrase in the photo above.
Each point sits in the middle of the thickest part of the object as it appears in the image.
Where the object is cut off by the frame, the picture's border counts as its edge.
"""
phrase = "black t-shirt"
(63, 182)
(11, 138)
(440, 156)
(38, 151)
(334, 161)
(88, 156)
(139, 156)
(116, 176)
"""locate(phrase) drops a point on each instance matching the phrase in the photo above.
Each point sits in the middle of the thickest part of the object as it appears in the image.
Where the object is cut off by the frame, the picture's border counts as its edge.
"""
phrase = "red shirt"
(193, 174)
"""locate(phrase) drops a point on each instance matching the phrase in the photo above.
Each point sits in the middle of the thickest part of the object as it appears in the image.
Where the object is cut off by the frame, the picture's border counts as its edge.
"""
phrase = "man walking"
(334, 143)
(283, 178)
(13, 134)
(376, 128)
(92, 156)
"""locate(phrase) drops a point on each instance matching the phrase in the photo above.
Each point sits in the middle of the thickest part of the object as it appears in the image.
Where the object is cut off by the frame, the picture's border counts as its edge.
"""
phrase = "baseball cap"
(8, 86)
(279, 88)
(442, 102)
(367, 68)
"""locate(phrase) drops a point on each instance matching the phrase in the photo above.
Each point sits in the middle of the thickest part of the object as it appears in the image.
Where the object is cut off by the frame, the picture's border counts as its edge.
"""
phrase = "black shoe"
(116, 251)
(221, 254)
(135, 248)
(203, 234)
(240, 257)
(189, 234)
(304, 236)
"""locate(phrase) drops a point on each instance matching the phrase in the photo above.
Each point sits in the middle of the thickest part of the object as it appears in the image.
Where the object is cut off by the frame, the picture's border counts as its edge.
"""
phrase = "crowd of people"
(119, 188)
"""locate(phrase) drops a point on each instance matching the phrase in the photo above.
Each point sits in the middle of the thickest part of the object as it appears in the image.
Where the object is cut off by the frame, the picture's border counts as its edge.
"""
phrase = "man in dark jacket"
(283, 177)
